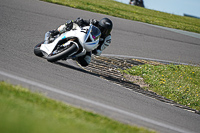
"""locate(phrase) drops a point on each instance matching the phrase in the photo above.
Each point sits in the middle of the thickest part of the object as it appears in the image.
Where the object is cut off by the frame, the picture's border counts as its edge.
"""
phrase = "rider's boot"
(50, 34)
(47, 37)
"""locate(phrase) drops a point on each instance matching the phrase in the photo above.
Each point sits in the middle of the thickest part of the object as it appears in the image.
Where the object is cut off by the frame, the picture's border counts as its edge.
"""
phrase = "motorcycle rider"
(105, 25)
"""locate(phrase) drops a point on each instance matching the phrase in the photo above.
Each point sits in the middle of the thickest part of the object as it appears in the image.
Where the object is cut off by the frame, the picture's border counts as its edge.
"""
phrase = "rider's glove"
(54, 33)
(94, 21)
(79, 21)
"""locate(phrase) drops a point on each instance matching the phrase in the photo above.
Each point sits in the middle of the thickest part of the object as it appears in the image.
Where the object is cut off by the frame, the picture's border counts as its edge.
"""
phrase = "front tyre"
(37, 50)
(57, 55)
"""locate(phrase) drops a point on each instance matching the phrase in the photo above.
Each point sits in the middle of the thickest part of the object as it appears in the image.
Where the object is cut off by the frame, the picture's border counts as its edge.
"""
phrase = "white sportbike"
(71, 44)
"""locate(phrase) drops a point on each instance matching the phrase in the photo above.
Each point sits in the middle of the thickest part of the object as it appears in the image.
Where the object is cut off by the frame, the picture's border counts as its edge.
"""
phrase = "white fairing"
(84, 35)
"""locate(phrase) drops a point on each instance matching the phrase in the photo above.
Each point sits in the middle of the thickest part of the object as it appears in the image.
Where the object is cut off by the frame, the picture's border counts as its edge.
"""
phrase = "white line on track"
(55, 90)
(142, 58)
(192, 34)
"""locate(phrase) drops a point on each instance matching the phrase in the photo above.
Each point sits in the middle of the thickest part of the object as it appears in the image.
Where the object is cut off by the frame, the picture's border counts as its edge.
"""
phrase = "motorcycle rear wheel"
(67, 52)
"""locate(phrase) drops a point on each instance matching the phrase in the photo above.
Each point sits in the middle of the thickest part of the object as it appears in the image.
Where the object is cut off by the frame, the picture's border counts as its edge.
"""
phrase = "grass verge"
(180, 83)
(117, 9)
(22, 111)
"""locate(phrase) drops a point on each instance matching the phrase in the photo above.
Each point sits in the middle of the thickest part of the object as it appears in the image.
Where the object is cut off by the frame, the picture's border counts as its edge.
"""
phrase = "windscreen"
(96, 33)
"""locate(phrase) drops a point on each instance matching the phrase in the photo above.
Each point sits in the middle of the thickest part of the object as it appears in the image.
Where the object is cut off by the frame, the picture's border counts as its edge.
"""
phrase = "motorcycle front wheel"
(57, 55)
(37, 50)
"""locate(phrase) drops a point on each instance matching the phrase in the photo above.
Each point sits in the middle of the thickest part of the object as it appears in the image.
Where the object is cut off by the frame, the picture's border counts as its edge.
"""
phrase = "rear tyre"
(37, 50)
(63, 54)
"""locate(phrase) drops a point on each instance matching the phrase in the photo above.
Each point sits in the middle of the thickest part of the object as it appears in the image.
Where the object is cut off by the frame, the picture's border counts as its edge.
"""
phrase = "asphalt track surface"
(23, 24)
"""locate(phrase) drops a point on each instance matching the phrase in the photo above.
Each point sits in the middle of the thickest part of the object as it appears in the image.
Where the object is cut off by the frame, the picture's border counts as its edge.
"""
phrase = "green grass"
(117, 9)
(180, 83)
(22, 111)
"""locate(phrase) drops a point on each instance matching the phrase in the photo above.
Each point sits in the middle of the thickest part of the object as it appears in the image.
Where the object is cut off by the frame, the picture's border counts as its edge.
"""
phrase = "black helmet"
(105, 25)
